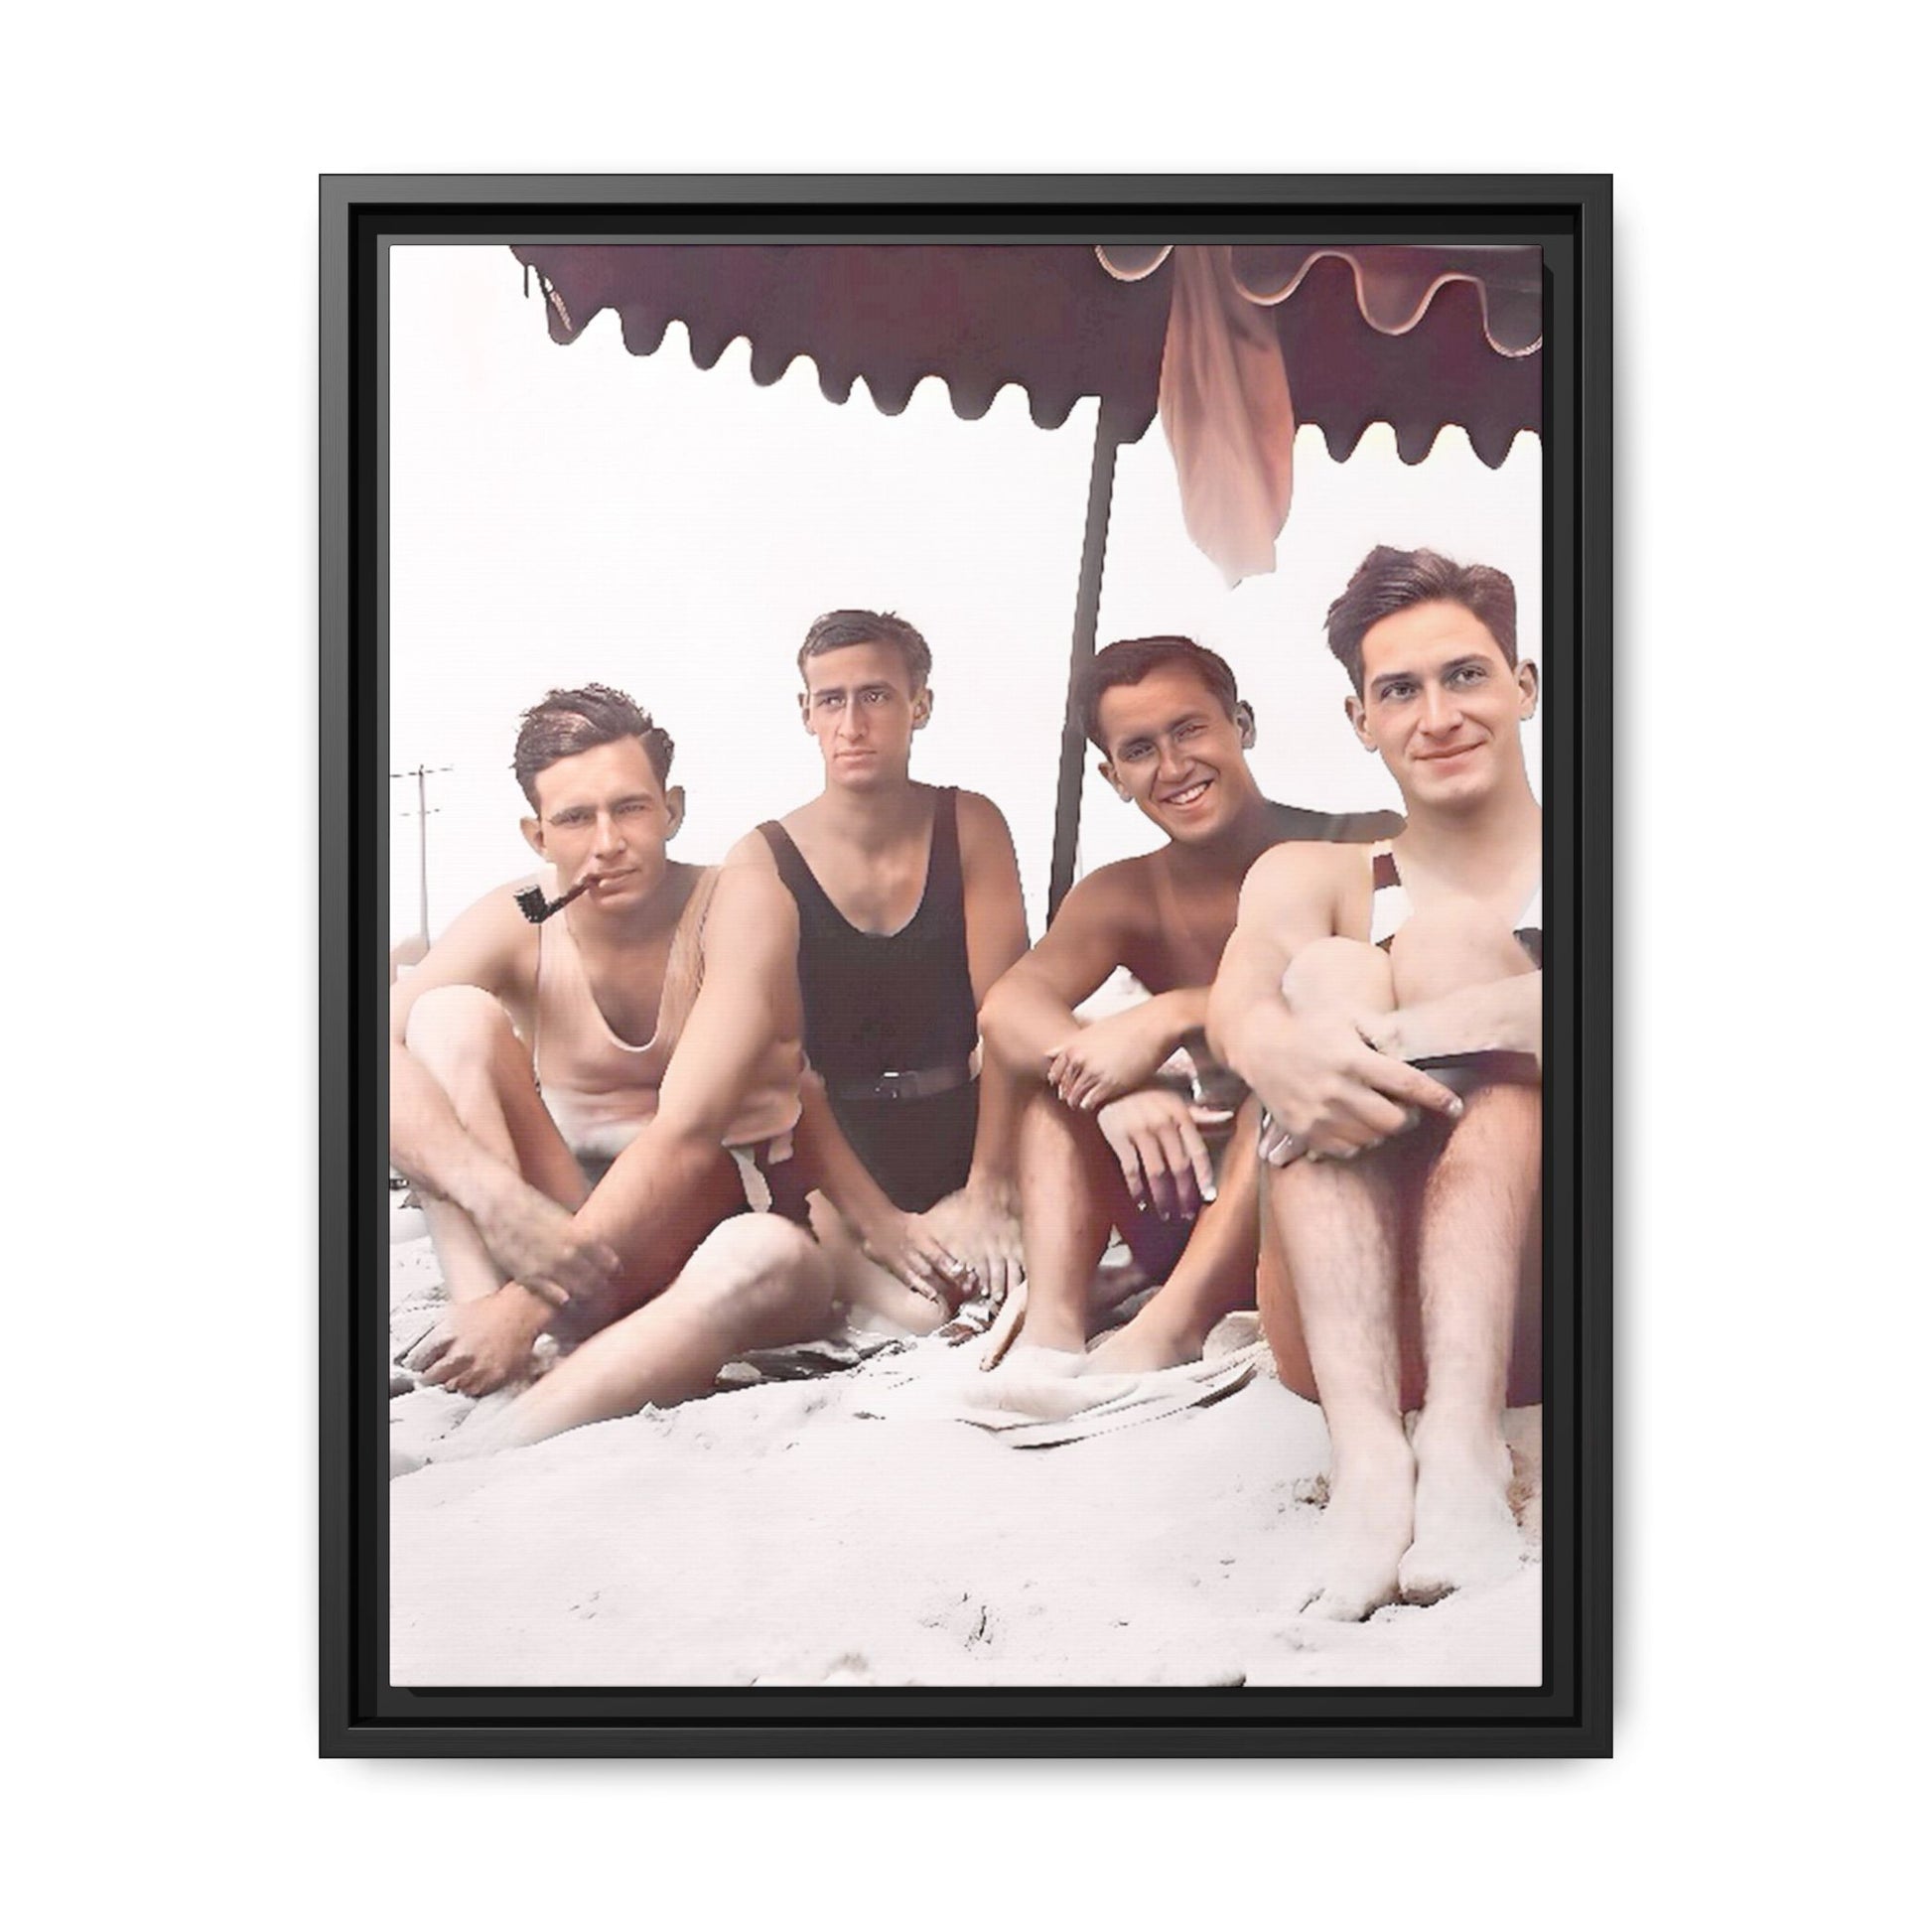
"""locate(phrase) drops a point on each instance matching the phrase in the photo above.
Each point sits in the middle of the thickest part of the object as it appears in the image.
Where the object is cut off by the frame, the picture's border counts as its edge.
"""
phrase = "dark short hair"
(837, 630)
(1132, 658)
(569, 722)
(1387, 581)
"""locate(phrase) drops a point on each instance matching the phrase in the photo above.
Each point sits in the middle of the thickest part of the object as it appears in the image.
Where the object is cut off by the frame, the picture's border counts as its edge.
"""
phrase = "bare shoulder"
(1299, 868)
(494, 930)
(982, 825)
(753, 851)
(490, 945)
(1117, 899)
(751, 900)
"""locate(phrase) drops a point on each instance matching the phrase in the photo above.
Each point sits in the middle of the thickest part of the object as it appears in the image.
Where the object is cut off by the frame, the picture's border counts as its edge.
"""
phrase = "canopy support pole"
(1086, 620)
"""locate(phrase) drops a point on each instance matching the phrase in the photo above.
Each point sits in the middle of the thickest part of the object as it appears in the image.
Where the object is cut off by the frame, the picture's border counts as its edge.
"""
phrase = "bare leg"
(1477, 1207)
(1071, 1198)
(1338, 1227)
(465, 1038)
(1214, 1276)
(862, 1285)
(654, 1206)
(756, 1281)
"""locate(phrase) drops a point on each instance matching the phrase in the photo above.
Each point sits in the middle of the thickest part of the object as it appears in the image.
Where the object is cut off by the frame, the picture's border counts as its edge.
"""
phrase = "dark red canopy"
(1417, 337)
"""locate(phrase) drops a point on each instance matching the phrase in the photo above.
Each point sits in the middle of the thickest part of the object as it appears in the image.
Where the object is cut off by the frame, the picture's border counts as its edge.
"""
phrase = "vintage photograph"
(965, 999)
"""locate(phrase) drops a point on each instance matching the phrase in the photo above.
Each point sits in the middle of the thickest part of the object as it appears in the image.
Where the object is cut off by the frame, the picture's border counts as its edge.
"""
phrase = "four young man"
(592, 1103)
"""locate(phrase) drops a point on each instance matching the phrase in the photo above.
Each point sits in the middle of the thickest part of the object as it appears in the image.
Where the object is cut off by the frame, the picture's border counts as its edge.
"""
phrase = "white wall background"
(158, 457)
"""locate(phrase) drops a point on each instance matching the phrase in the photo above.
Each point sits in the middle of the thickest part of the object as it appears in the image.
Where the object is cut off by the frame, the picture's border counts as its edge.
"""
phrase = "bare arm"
(1026, 1016)
(490, 947)
(1286, 901)
(1505, 1015)
(1329, 1090)
(995, 940)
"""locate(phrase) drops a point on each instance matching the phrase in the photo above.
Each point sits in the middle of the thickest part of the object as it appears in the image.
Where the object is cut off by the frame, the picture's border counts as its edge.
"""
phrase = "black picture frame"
(360, 1715)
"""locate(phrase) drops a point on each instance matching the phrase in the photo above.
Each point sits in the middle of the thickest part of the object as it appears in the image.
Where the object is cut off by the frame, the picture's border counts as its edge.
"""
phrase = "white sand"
(849, 1530)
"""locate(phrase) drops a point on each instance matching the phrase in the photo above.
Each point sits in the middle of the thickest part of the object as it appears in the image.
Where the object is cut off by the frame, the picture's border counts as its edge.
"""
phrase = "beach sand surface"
(851, 1530)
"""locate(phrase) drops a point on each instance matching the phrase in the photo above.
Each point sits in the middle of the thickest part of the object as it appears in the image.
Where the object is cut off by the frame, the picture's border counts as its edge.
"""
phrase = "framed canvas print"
(966, 948)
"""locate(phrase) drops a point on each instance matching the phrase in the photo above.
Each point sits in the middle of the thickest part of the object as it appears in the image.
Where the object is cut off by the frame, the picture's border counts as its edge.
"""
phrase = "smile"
(1188, 794)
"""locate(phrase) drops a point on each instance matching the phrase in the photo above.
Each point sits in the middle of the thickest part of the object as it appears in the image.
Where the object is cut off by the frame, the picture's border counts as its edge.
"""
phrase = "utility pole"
(422, 773)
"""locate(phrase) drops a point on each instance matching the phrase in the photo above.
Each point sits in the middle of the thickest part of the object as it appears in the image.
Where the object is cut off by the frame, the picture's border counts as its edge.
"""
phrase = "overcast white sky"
(564, 514)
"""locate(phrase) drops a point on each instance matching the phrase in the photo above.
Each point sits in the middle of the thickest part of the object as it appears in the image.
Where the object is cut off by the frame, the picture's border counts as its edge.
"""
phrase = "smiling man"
(1103, 1145)
(590, 1105)
(908, 909)
(1401, 1208)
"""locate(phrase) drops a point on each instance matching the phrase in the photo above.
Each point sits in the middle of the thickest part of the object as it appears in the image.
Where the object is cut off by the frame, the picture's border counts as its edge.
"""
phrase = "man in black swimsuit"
(909, 909)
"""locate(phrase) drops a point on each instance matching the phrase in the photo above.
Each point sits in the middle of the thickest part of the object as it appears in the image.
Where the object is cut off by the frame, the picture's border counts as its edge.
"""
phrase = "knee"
(759, 1271)
(1340, 973)
(455, 1027)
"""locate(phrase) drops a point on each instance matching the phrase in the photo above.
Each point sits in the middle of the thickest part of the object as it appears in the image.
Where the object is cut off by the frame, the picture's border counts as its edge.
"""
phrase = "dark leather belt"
(917, 1083)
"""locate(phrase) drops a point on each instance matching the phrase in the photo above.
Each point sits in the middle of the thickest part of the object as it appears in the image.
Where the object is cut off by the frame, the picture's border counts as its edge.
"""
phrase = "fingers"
(928, 1270)
(1367, 1117)
(449, 1369)
(1128, 1153)
(1408, 1085)
(548, 1292)
(990, 1272)
(1162, 1163)
(583, 1271)
(908, 1271)
(429, 1350)
(1203, 1161)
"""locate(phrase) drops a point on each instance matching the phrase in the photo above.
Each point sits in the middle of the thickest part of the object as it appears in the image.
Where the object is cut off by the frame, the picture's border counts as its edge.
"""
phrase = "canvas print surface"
(966, 918)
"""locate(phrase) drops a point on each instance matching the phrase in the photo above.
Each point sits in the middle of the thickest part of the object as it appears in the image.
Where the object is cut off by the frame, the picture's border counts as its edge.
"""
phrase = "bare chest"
(1185, 930)
(626, 984)
(877, 891)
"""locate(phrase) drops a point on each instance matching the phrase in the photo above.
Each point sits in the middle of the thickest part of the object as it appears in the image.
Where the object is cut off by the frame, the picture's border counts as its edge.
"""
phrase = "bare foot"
(1047, 1383)
(1365, 1528)
(1466, 1534)
(1143, 1345)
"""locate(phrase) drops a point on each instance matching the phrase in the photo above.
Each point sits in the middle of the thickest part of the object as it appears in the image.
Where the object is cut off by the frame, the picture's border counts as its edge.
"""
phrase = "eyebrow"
(585, 806)
(1163, 731)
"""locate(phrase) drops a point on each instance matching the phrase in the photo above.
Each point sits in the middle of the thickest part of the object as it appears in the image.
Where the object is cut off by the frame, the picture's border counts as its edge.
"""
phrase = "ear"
(1107, 771)
(1358, 719)
(1529, 687)
(806, 709)
(1244, 717)
(922, 707)
(673, 809)
(532, 829)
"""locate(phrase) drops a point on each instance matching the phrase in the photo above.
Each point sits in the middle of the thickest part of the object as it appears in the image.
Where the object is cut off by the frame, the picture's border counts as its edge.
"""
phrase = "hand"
(1334, 1094)
(910, 1250)
(1384, 1033)
(1109, 1057)
(479, 1347)
(1156, 1137)
(980, 1224)
(536, 1241)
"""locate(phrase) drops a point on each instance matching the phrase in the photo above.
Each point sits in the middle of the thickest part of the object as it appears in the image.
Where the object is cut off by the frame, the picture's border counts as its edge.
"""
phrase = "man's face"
(1176, 753)
(859, 703)
(1441, 704)
(602, 814)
